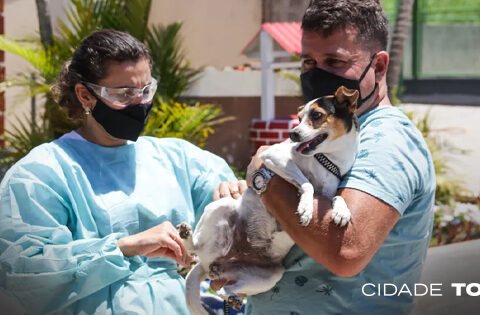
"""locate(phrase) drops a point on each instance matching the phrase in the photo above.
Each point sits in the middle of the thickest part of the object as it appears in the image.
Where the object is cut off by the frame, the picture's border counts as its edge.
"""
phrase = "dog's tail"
(193, 280)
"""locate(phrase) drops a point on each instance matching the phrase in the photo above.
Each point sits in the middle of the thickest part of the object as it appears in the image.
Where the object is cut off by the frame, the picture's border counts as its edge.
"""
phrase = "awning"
(287, 37)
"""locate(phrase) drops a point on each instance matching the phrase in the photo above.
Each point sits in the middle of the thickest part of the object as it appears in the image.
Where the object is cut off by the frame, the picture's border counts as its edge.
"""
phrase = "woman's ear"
(84, 96)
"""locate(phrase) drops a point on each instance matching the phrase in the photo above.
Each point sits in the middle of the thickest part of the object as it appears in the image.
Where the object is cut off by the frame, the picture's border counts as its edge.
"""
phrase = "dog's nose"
(294, 136)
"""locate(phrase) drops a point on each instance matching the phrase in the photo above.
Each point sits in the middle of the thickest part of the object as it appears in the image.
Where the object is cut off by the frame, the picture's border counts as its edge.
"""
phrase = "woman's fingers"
(242, 186)
(176, 237)
(232, 189)
(224, 190)
(216, 194)
(175, 248)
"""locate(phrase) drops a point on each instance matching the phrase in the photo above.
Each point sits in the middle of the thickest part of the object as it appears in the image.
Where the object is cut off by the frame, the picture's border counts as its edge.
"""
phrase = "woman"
(87, 221)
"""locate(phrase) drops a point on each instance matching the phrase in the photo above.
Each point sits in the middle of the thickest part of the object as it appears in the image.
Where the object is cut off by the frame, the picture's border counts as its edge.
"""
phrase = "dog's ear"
(348, 98)
(300, 112)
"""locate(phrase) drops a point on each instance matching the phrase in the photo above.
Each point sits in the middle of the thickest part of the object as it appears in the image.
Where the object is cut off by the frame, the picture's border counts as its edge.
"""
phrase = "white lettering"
(404, 289)
(416, 289)
(363, 289)
(471, 292)
(458, 288)
(435, 289)
(385, 289)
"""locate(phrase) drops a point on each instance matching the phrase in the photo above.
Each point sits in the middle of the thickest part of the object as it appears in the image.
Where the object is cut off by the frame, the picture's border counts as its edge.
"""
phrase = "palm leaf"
(169, 65)
(34, 53)
(25, 135)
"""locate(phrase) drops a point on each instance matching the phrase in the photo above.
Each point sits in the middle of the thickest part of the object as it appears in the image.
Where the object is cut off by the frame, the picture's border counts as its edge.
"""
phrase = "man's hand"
(161, 240)
(255, 164)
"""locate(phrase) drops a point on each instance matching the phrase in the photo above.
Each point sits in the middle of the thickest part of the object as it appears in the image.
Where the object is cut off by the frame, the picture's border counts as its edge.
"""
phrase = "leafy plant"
(179, 120)
(456, 210)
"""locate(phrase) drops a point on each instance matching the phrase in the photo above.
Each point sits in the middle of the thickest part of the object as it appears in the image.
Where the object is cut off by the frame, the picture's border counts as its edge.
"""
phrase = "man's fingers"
(217, 284)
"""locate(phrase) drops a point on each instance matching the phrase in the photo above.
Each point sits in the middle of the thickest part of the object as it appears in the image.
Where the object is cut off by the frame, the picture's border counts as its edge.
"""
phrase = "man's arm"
(343, 251)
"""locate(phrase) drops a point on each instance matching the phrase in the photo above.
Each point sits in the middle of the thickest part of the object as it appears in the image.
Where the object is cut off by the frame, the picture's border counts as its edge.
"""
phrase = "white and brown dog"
(239, 240)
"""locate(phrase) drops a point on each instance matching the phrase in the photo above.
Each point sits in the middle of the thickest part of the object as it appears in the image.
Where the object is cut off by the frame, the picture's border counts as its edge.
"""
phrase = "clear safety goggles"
(125, 96)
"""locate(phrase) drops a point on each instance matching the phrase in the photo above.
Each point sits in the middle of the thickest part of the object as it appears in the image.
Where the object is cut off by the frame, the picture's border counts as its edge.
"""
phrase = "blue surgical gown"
(64, 206)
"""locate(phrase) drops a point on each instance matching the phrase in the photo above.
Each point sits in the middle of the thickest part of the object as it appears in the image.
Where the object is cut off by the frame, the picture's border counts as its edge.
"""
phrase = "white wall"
(460, 126)
(229, 82)
(214, 31)
(21, 22)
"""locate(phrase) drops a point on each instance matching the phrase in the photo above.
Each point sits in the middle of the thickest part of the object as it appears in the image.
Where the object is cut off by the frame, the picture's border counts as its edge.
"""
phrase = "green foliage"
(25, 135)
(81, 18)
(441, 11)
(456, 210)
(170, 66)
(179, 120)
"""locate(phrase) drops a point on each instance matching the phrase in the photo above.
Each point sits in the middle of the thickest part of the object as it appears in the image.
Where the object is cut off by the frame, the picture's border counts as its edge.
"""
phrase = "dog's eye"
(316, 115)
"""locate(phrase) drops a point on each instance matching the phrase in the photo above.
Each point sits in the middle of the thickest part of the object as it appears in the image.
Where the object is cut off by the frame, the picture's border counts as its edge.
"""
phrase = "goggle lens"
(125, 96)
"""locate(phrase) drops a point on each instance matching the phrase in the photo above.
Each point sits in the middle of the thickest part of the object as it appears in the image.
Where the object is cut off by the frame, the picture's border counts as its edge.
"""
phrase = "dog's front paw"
(185, 230)
(305, 206)
(305, 210)
(341, 215)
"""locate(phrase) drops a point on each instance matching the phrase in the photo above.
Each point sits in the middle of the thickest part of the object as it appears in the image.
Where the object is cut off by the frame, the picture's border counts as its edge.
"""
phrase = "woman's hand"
(161, 240)
(233, 189)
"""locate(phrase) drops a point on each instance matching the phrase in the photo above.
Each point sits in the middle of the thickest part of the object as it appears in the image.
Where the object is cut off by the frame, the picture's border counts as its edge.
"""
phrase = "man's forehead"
(340, 43)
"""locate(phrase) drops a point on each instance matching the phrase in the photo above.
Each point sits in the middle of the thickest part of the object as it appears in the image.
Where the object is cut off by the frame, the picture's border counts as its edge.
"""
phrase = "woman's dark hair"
(367, 16)
(89, 63)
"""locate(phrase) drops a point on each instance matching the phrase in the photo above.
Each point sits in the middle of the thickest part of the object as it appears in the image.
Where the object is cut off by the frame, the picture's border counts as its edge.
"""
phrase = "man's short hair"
(366, 16)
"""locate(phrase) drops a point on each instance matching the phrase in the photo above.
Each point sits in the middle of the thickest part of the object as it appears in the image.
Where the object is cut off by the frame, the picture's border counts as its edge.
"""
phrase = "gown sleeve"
(206, 171)
(41, 264)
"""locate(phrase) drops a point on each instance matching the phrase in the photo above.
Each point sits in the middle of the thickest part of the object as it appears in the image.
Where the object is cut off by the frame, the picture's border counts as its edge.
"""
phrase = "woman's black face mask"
(127, 123)
(318, 82)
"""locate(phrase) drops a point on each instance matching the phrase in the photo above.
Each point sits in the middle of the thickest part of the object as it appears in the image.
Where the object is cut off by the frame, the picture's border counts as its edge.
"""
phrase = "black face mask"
(318, 82)
(127, 123)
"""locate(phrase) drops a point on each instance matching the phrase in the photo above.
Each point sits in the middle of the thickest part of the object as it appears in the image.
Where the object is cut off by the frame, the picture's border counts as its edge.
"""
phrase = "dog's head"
(324, 120)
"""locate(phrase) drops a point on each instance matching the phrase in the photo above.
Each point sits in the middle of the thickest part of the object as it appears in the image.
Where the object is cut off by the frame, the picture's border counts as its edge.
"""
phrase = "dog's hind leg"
(251, 280)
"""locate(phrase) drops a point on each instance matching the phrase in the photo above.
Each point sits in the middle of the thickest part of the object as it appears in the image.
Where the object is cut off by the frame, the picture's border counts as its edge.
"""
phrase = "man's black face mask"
(318, 82)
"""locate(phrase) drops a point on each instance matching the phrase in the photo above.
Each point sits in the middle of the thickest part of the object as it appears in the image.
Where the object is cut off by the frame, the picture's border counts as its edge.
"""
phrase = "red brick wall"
(2, 77)
(270, 132)
(231, 140)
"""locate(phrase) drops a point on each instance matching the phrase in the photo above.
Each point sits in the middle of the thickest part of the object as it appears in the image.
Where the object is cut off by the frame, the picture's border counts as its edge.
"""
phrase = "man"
(390, 189)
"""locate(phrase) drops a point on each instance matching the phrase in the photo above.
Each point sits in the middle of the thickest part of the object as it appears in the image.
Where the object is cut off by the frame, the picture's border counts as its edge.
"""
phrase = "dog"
(240, 240)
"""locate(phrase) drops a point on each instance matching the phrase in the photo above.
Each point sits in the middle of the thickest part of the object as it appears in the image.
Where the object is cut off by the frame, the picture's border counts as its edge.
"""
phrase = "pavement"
(455, 263)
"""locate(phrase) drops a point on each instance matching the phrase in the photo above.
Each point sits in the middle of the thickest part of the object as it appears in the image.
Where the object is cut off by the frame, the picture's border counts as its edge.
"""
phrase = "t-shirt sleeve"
(389, 163)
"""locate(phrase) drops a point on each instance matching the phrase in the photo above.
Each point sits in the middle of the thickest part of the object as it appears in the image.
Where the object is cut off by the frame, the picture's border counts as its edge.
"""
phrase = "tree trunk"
(45, 24)
(400, 34)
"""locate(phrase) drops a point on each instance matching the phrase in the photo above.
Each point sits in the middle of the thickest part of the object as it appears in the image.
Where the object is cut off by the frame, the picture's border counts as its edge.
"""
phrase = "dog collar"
(329, 165)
